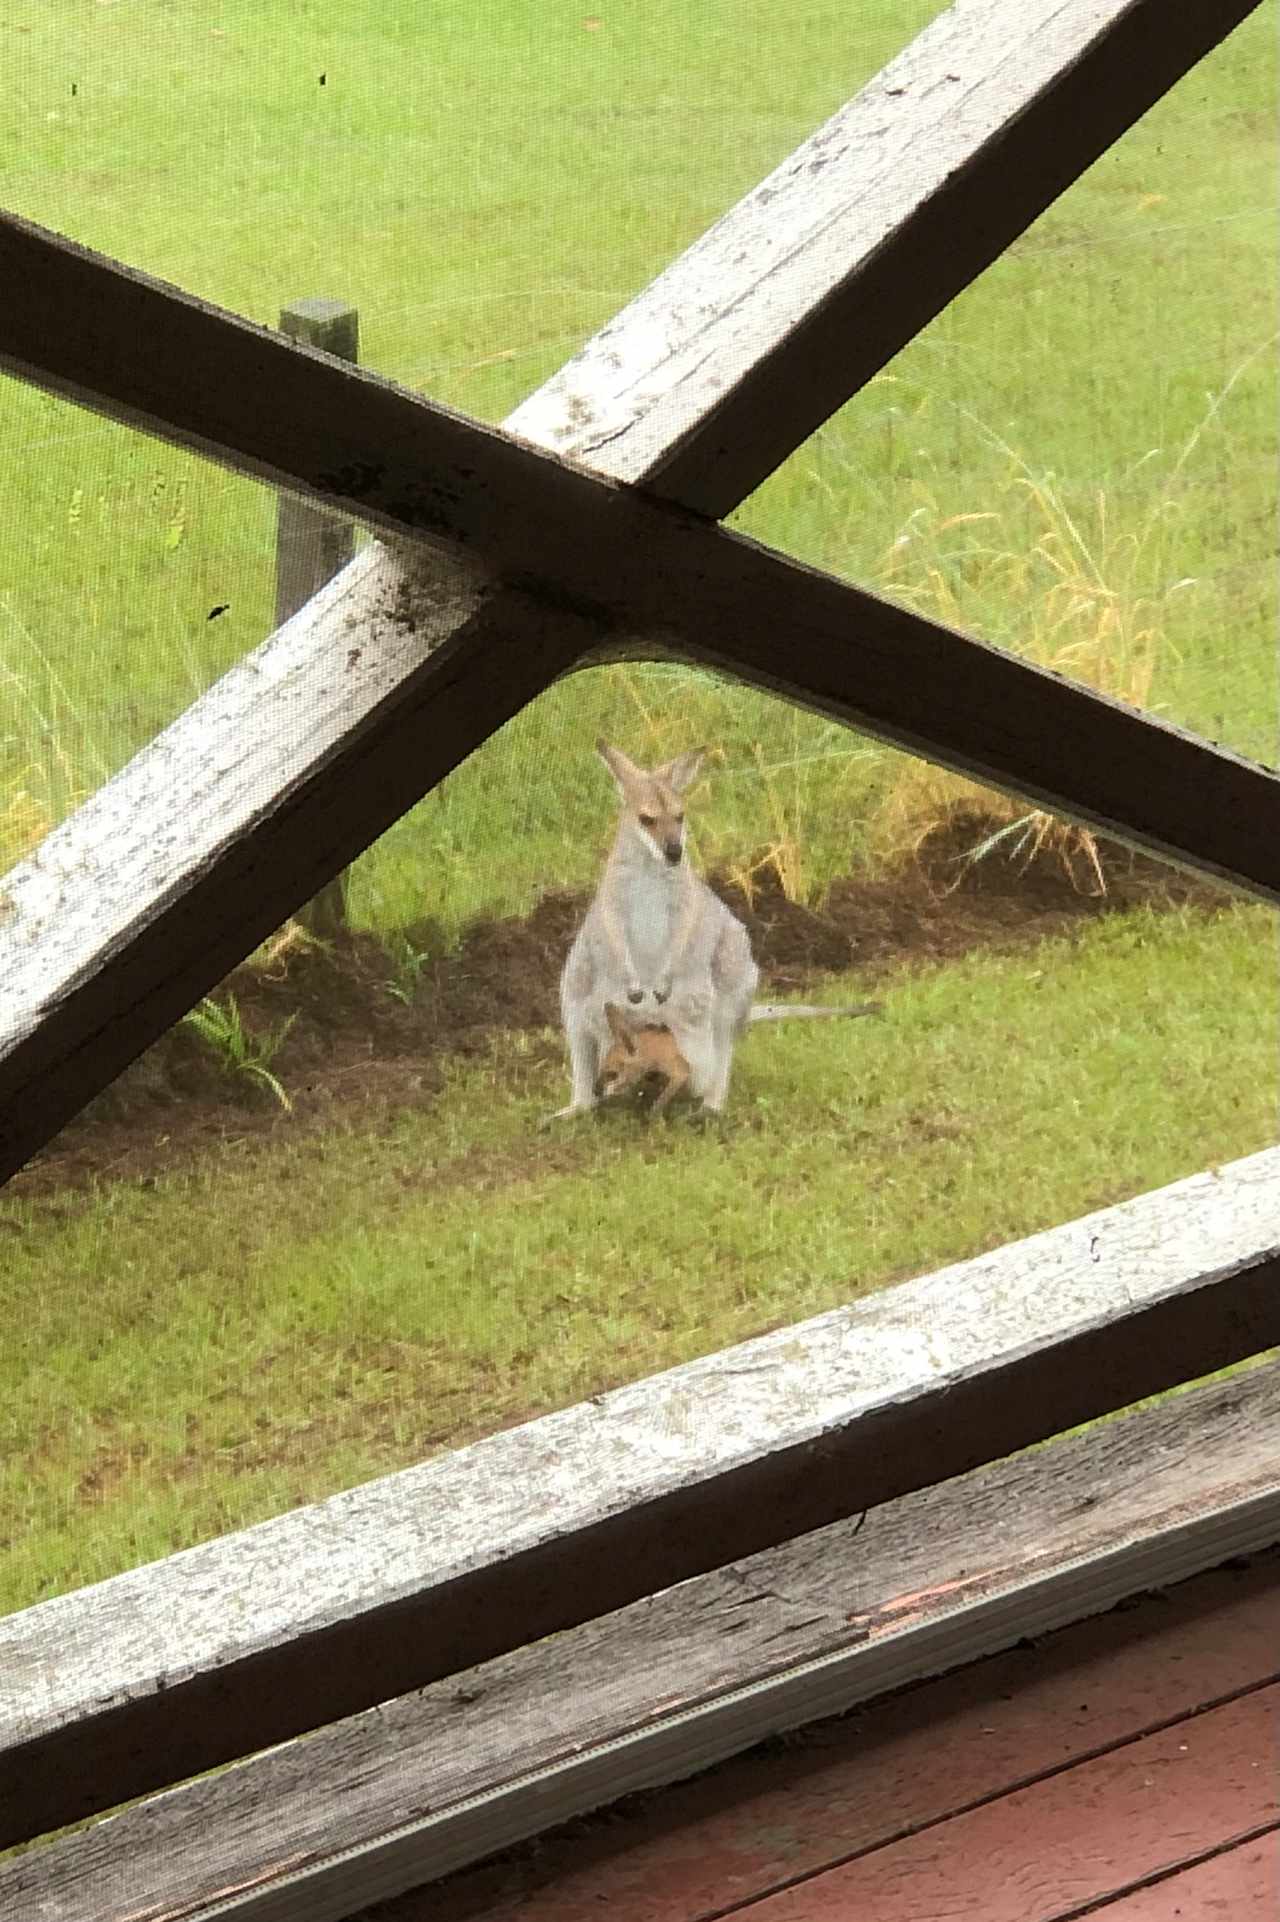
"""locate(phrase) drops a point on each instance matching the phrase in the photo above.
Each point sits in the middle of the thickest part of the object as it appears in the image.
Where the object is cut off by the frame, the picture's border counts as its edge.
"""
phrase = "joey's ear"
(624, 772)
(621, 1028)
(683, 771)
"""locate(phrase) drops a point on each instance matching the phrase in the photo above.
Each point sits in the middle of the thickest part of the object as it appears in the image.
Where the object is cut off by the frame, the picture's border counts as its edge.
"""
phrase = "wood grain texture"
(948, 1548)
(1240, 1884)
(893, 1768)
(275, 826)
(1096, 1830)
(806, 288)
(175, 1666)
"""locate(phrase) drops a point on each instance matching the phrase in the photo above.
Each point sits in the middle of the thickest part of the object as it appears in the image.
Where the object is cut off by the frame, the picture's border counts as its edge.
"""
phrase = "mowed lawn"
(1077, 459)
(198, 1350)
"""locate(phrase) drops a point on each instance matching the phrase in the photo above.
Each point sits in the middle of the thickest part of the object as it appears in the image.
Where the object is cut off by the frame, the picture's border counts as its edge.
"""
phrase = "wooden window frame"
(582, 532)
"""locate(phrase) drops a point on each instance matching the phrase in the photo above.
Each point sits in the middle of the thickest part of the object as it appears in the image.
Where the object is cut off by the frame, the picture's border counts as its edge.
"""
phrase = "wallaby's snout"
(673, 850)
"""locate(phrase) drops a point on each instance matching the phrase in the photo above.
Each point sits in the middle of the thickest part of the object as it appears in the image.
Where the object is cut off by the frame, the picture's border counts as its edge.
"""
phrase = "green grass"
(488, 183)
(275, 1324)
(488, 191)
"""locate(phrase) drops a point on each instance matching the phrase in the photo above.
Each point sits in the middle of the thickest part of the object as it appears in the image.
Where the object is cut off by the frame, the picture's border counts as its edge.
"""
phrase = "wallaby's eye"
(648, 820)
(679, 820)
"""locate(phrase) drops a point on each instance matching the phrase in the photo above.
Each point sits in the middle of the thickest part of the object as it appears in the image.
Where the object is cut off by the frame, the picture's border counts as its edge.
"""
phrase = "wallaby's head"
(652, 803)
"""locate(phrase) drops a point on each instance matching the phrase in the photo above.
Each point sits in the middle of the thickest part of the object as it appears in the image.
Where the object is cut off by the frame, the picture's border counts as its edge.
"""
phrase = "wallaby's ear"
(683, 771)
(624, 772)
(623, 1032)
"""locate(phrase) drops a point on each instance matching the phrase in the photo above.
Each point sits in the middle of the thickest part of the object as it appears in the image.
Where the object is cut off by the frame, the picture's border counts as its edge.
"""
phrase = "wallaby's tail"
(790, 1011)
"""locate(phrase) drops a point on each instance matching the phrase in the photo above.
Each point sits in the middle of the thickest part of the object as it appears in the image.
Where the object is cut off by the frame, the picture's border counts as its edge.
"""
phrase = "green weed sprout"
(243, 1055)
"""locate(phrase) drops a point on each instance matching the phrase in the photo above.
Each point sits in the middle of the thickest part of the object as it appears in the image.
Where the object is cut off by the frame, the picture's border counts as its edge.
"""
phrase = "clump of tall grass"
(48, 761)
(1071, 600)
(1080, 584)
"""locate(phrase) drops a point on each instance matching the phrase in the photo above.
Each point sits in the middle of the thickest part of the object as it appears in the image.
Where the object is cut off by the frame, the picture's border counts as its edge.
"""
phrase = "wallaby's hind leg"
(729, 1017)
(724, 1032)
(584, 1062)
(698, 1048)
(677, 1082)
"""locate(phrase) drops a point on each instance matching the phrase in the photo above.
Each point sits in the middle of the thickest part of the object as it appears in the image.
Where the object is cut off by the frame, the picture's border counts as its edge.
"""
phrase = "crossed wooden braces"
(585, 531)
(299, 757)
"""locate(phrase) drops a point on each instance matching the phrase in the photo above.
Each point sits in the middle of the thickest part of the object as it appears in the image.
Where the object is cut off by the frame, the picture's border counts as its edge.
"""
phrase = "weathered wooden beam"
(302, 755)
(169, 918)
(848, 247)
(792, 301)
(418, 1787)
(781, 312)
(169, 1669)
(276, 779)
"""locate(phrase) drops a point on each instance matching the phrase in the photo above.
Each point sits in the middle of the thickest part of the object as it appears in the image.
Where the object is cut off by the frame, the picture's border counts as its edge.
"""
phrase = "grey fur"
(657, 939)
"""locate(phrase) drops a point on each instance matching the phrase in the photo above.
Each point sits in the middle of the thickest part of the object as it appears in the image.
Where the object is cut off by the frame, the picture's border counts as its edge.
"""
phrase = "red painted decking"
(1128, 1767)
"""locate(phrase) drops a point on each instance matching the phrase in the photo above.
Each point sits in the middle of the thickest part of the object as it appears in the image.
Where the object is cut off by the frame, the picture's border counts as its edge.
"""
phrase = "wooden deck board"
(904, 1768)
(1049, 1851)
(1241, 1884)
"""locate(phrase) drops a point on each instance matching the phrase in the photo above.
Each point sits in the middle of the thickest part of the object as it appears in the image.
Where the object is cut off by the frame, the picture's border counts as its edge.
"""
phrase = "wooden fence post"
(312, 546)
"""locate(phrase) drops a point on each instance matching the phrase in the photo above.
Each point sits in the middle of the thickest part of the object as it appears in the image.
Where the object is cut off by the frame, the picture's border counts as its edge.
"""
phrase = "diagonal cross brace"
(310, 748)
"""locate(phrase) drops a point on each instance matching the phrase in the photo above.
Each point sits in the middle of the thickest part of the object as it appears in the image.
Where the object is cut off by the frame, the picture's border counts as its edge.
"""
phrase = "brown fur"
(641, 1052)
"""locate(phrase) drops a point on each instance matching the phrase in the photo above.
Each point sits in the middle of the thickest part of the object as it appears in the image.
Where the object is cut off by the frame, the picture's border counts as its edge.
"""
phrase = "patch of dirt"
(358, 1051)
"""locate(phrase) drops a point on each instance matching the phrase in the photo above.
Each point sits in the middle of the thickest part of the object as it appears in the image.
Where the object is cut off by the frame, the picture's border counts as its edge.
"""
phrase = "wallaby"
(646, 1050)
(660, 947)
(656, 934)
(641, 1051)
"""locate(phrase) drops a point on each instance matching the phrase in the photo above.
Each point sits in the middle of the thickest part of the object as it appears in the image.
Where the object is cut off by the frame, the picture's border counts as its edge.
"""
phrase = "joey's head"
(653, 800)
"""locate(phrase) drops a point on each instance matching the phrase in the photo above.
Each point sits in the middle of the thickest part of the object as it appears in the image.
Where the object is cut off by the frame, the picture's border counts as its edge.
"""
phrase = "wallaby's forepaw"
(662, 992)
(635, 994)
